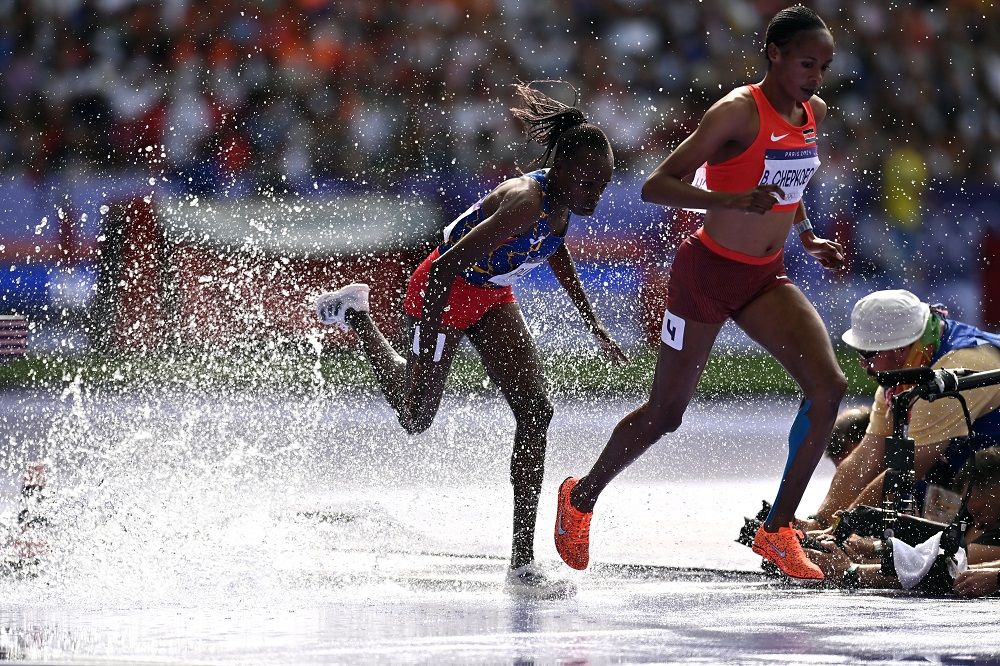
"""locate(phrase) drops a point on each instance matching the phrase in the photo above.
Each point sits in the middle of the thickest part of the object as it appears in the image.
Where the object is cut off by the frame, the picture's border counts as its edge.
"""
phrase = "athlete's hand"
(976, 583)
(758, 200)
(830, 254)
(610, 347)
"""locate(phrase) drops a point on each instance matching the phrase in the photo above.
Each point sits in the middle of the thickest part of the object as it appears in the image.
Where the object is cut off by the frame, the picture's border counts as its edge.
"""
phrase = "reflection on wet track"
(254, 531)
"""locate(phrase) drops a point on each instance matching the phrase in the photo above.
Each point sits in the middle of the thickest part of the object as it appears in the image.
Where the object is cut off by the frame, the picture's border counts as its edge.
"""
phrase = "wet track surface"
(238, 530)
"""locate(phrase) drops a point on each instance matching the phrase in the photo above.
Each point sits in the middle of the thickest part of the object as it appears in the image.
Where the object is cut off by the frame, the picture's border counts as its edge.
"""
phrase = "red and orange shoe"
(785, 551)
(572, 529)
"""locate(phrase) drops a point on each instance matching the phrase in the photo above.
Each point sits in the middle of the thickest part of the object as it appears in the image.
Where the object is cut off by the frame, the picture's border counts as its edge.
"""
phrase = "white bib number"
(672, 332)
(790, 169)
(510, 278)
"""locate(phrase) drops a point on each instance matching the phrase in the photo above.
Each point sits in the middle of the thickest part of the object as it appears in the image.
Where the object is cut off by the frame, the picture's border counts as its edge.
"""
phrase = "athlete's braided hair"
(789, 22)
(560, 128)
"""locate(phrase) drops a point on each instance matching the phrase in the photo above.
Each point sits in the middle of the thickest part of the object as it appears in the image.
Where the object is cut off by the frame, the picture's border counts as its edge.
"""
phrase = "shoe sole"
(521, 592)
(798, 580)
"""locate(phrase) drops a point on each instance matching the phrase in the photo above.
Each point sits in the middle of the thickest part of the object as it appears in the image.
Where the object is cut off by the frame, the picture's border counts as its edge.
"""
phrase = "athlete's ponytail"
(562, 129)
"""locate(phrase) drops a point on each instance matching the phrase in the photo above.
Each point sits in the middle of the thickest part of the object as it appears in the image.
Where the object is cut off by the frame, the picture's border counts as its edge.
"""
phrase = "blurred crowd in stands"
(252, 96)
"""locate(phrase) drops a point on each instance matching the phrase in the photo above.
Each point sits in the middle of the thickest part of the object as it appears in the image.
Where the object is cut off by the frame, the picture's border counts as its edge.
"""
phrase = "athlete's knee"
(828, 393)
(415, 426)
(534, 412)
(418, 411)
(659, 421)
(416, 423)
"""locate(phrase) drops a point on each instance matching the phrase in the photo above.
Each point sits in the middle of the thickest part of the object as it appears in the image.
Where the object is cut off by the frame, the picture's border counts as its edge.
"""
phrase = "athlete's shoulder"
(523, 194)
(738, 103)
(733, 117)
(818, 108)
(737, 110)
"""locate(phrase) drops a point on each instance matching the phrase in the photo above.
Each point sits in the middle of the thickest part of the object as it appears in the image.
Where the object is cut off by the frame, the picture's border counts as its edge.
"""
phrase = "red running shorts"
(709, 283)
(467, 303)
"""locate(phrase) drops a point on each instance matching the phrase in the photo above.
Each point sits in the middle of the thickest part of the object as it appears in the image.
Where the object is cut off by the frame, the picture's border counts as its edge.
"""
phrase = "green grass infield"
(298, 371)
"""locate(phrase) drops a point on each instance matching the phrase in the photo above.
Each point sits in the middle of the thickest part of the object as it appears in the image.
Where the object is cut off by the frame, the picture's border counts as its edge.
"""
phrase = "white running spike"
(332, 307)
(529, 581)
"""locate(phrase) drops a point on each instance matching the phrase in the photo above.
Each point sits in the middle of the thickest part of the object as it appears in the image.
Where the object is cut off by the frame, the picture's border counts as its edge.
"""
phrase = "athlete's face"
(586, 175)
(801, 66)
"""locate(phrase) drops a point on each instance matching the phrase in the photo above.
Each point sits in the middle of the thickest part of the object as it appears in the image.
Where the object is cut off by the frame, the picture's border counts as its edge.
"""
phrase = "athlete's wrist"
(803, 226)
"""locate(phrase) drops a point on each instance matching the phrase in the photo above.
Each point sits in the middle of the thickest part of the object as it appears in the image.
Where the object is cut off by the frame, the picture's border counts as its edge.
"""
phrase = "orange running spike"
(572, 532)
(784, 550)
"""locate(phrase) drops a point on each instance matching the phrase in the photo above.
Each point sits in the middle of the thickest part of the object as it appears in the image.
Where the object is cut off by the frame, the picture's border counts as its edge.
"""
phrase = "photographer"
(848, 431)
(893, 330)
(979, 483)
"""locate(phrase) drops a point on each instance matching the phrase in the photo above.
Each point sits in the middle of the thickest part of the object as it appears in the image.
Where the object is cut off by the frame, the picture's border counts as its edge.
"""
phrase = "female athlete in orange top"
(760, 146)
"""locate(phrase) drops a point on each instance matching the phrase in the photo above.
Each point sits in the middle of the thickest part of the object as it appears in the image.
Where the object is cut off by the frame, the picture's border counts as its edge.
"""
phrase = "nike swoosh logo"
(559, 527)
(781, 553)
(779, 137)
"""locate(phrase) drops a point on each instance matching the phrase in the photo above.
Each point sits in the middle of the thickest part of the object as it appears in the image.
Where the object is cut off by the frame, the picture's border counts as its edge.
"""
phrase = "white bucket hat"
(887, 320)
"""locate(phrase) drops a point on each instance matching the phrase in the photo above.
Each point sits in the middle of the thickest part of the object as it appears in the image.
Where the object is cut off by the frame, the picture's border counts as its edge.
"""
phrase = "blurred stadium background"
(191, 173)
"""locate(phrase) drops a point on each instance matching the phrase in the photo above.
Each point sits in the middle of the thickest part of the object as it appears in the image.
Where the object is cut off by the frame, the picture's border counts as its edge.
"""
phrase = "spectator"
(380, 91)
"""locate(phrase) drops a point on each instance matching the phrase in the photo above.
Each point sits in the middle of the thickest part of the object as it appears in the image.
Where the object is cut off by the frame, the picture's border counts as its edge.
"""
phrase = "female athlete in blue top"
(464, 289)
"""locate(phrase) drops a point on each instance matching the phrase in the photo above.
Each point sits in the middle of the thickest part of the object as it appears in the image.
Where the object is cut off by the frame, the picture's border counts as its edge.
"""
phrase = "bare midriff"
(749, 233)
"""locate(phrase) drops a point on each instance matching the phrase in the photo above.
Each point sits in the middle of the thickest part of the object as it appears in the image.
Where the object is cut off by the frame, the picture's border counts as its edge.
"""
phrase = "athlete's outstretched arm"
(667, 185)
(562, 265)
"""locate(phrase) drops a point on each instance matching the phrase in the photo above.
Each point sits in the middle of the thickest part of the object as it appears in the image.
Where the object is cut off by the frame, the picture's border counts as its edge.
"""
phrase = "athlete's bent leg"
(412, 388)
(785, 323)
(388, 366)
(682, 359)
(513, 363)
(679, 365)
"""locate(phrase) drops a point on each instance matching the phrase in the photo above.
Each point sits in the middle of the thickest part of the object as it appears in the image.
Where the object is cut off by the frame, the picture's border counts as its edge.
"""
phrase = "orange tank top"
(782, 154)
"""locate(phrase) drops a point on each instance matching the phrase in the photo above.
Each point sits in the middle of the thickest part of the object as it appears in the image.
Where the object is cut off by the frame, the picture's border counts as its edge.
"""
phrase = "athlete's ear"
(773, 52)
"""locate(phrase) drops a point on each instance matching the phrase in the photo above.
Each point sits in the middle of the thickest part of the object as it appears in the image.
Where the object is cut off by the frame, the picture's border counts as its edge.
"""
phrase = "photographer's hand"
(860, 548)
(834, 562)
(976, 582)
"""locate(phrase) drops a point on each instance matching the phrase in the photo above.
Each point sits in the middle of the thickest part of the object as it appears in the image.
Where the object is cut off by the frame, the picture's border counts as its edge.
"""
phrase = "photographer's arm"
(978, 581)
(870, 576)
(853, 475)
(841, 571)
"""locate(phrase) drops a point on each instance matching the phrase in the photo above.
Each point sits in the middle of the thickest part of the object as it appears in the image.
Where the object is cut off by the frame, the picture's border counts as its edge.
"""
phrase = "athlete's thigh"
(425, 380)
(685, 346)
(785, 323)
(509, 353)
